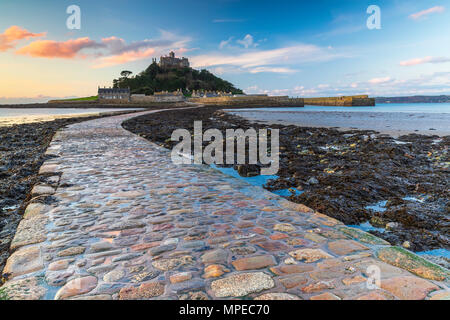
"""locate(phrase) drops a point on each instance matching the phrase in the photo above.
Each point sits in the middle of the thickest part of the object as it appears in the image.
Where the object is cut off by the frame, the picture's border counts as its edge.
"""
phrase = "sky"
(295, 48)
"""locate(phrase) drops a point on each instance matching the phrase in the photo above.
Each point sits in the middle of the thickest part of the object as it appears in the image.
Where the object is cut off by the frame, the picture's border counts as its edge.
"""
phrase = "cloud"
(247, 42)
(380, 80)
(279, 60)
(58, 49)
(424, 13)
(13, 34)
(109, 51)
(119, 46)
(426, 84)
(417, 61)
(345, 30)
(124, 57)
(119, 52)
(227, 20)
(434, 83)
(272, 69)
(298, 91)
(225, 43)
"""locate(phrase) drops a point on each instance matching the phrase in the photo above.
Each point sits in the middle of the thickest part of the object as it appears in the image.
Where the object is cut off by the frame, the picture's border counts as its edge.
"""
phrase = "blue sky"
(297, 48)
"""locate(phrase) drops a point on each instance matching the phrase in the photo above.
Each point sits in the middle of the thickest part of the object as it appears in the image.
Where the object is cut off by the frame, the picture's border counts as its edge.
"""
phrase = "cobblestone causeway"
(126, 223)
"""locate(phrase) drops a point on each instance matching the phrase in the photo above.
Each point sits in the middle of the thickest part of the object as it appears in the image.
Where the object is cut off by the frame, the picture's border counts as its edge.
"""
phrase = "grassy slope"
(93, 98)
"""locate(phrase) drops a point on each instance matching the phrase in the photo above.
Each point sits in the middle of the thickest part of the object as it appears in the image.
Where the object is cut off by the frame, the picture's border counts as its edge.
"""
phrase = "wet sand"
(392, 123)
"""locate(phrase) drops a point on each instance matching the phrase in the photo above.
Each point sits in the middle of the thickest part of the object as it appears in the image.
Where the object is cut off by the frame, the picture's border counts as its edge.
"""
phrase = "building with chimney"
(122, 94)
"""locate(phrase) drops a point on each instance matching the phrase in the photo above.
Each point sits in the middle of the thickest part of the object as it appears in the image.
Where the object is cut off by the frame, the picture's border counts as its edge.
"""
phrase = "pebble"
(180, 277)
(114, 275)
(310, 255)
(73, 251)
(241, 284)
(76, 287)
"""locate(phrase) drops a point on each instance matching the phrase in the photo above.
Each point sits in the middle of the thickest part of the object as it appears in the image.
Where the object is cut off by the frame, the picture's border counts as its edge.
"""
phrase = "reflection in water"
(11, 116)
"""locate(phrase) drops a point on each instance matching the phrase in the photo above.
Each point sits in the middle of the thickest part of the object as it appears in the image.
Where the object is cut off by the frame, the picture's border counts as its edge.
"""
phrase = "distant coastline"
(414, 99)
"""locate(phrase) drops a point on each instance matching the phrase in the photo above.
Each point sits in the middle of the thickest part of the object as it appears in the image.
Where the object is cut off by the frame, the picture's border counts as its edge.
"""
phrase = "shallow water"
(366, 226)
(378, 207)
(436, 252)
(258, 181)
(10, 116)
(393, 119)
(287, 192)
(25, 112)
(381, 107)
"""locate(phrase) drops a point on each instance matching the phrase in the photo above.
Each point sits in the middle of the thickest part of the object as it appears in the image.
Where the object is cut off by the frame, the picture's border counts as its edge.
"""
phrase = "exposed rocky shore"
(399, 185)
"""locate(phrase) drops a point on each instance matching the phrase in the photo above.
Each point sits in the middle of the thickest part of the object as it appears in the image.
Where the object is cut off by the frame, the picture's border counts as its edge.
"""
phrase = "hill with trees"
(156, 79)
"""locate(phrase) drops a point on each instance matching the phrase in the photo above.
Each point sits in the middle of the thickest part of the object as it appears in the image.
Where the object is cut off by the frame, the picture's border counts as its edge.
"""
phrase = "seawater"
(25, 112)
(381, 107)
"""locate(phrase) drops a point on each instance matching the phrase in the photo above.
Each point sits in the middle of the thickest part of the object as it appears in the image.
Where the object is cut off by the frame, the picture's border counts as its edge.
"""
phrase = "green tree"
(154, 79)
(126, 73)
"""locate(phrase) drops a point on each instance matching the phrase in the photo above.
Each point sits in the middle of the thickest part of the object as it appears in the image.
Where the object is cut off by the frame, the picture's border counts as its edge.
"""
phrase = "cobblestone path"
(126, 223)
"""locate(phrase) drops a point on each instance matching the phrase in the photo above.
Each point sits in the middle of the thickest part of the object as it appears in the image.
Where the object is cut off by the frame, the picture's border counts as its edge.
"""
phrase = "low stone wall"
(114, 101)
(156, 98)
(72, 102)
(278, 101)
(348, 101)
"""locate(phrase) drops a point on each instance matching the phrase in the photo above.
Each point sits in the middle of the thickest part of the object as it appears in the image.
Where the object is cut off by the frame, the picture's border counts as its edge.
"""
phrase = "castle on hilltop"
(171, 62)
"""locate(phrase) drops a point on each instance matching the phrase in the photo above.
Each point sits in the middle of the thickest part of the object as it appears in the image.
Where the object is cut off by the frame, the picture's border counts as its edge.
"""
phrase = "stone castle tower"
(171, 61)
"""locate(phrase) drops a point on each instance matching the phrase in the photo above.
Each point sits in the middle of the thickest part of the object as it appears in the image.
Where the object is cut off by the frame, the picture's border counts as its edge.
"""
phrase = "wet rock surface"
(345, 174)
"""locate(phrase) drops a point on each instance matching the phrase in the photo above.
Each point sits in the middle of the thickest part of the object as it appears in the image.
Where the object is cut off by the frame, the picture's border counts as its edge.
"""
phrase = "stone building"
(171, 62)
(210, 94)
(114, 94)
(178, 92)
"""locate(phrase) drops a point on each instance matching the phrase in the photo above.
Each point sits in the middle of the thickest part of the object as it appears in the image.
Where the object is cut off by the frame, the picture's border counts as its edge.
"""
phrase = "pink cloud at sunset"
(55, 49)
(417, 61)
(124, 57)
(9, 38)
(424, 13)
(109, 51)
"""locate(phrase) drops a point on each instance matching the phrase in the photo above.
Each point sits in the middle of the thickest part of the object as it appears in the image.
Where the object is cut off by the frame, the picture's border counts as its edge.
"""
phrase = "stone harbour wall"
(276, 101)
(347, 101)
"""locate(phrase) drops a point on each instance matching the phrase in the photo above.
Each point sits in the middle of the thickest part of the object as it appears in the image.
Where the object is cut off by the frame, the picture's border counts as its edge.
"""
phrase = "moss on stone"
(362, 236)
(3, 294)
(410, 261)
